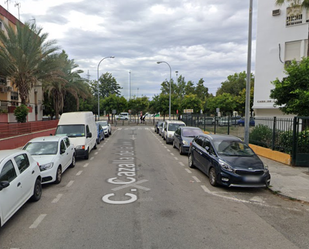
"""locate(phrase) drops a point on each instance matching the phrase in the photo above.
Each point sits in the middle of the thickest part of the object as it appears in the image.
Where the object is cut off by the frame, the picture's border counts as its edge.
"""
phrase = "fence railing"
(269, 132)
(14, 129)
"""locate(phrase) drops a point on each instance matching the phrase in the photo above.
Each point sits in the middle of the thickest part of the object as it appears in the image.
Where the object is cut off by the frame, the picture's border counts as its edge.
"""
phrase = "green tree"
(180, 88)
(21, 113)
(190, 89)
(234, 84)
(138, 105)
(69, 83)
(114, 102)
(107, 86)
(226, 103)
(201, 91)
(292, 93)
(25, 57)
(191, 101)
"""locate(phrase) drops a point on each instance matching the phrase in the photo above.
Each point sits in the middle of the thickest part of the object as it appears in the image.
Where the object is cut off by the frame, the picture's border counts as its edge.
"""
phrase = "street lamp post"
(247, 105)
(169, 108)
(98, 83)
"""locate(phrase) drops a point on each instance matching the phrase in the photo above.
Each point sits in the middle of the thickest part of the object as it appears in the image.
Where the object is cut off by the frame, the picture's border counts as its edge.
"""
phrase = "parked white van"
(169, 128)
(81, 129)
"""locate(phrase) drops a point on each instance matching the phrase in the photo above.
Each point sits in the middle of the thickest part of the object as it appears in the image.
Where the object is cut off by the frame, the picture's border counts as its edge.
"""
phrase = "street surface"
(137, 192)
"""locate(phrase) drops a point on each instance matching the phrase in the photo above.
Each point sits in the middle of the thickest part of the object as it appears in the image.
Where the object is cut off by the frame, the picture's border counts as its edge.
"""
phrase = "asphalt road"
(137, 192)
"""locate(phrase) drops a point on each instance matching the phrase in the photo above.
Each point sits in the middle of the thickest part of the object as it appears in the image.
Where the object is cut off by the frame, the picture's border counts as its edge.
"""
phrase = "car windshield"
(191, 132)
(233, 148)
(173, 127)
(42, 148)
(103, 123)
(71, 130)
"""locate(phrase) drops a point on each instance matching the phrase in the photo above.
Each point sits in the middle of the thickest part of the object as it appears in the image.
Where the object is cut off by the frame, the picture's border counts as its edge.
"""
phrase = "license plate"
(252, 179)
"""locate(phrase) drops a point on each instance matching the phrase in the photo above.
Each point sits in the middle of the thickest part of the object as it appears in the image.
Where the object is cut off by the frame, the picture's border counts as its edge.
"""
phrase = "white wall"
(272, 31)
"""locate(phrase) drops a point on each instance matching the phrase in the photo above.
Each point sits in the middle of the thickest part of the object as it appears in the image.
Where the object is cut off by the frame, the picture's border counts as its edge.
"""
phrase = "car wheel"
(110, 133)
(87, 154)
(180, 150)
(190, 161)
(73, 163)
(37, 191)
(174, 144)
(58, 175)
(212, 177)
(95, 146)
(107, 135)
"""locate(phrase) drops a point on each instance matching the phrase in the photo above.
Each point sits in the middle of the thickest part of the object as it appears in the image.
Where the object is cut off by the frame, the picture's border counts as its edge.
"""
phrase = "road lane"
(168, 206)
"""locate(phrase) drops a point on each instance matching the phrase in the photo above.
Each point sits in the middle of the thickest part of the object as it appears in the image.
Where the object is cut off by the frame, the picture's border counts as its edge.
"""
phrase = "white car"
(54, 154)
(106, 127)
(20, 180)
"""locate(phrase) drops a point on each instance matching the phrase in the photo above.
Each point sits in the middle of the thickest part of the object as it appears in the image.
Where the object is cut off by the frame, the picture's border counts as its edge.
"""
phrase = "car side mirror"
(89, 134)
(4, 184)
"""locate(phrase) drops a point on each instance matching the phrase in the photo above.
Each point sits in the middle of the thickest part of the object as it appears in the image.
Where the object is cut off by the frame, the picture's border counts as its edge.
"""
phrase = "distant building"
(282, 34)
(9, 97)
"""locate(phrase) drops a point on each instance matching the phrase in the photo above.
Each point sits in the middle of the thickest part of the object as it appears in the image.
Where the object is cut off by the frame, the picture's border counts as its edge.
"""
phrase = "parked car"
(183, 137)
(169, 127)
(160, 128)
(156, 127)
(20, 180)
(241, 122)
(227, 161)
(106, 127)
(54, 155)
(100, 131)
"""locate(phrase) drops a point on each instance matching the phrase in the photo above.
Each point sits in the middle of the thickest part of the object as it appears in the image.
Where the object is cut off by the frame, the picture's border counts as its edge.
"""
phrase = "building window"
(292, 51)
(294, 15)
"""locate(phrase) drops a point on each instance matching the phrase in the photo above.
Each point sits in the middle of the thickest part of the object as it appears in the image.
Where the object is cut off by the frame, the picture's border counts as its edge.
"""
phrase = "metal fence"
(269, 132)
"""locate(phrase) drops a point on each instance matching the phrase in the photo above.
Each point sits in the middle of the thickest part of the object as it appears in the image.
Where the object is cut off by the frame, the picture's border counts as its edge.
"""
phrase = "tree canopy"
(291, 93)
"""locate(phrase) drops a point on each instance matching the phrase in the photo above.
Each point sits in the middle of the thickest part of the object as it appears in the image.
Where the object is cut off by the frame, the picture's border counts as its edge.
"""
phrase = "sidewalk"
(288, 181)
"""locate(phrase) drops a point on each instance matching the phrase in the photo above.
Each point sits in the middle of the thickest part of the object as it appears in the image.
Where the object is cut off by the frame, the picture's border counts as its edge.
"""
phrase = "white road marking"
(196, 179)
(38, 221)
(57, 198)
(181, 164)
(91, 158)
(96, 153)
(176, 158)
(135, 184)
(189, 171)
(86, 165)
(70, 184)
(79, 172)
(169, 151)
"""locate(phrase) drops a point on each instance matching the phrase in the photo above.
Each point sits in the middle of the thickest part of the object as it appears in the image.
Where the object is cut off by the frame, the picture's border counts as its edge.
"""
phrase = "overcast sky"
(198, 38)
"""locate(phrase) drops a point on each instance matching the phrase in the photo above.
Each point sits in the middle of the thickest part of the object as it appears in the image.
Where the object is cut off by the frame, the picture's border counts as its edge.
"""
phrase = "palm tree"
(293, 3)
(69, 82)
(25, 57)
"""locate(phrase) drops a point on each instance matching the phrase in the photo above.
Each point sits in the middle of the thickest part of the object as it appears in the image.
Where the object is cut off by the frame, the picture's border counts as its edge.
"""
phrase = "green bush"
(261, 135)
(21, 113)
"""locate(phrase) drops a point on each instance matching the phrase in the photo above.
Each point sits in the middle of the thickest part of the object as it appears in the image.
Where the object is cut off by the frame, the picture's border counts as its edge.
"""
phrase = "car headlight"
(46, 166)
(185, 142)
(80, 147)
(265, 168)
(225, 166)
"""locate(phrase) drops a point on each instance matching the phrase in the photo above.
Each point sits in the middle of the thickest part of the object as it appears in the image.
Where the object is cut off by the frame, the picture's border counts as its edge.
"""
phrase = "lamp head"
(158, 62)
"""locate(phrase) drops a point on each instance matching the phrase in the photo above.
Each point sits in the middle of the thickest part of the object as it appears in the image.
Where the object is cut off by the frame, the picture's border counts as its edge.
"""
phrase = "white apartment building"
(282, 33)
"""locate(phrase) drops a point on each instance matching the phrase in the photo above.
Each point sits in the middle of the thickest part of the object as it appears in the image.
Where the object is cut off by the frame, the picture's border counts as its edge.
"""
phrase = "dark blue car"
(241, 122)
(101, 135)
(227, 161)
(183, 137)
